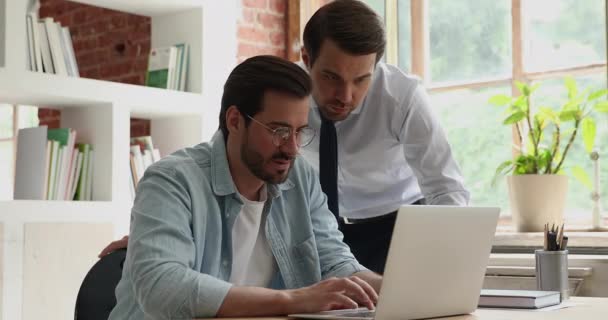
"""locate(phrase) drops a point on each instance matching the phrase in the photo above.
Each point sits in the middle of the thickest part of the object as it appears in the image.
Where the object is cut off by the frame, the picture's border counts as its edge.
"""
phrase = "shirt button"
(227, 216)
(225, 262)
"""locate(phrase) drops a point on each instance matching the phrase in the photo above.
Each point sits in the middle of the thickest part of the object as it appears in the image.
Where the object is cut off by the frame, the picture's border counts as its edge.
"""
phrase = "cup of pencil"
(552, 262)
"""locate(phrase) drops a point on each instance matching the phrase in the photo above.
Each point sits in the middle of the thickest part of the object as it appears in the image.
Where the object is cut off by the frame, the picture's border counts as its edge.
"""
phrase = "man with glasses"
(380, 145)
(239, 226)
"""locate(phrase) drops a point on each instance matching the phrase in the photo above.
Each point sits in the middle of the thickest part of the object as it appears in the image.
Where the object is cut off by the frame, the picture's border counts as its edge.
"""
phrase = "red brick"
(47, 113)
(251, 34)
(79, 16)
(90, 73)
(141, 65)
(117, 21)
(277, 38)
(85, 59)
(248, 16)
(64, 19)
(85, 44)
(272, 21)
(130, 79)
(277, 6)
(115, 70)
(140, 127)
(260, 4)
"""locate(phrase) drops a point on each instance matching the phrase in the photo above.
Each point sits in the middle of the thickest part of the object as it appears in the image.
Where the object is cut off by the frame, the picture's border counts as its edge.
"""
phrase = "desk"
(586, 309)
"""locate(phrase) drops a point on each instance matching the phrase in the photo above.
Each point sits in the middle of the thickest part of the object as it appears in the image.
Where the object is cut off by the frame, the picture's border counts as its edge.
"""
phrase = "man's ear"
(233, 119)
(305, 58)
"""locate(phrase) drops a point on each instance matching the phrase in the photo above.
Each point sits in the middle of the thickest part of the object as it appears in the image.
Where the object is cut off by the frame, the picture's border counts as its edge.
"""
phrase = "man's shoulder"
(198, 156)
(302, 172)
(391, 86)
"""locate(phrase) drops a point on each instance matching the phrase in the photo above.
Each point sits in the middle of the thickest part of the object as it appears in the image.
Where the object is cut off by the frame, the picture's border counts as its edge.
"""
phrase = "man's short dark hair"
(351, 24)
(248, 82)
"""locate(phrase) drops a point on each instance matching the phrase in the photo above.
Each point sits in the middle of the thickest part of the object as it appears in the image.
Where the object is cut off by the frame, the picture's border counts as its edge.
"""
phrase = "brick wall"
(261, 28)
(114, 46)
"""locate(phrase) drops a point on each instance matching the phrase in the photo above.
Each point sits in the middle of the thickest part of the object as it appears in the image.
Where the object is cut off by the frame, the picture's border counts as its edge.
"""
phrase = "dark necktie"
(328, 164)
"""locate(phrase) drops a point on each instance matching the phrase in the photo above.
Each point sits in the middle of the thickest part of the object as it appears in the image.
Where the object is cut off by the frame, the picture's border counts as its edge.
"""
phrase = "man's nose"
(291, 146)
(344, 93)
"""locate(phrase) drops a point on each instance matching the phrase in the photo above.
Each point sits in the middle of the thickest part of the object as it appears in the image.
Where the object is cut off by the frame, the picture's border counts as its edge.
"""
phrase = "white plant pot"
(537, 199)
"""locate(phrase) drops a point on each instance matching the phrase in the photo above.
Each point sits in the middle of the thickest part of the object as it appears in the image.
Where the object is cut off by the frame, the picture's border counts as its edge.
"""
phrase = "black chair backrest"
(96, 297)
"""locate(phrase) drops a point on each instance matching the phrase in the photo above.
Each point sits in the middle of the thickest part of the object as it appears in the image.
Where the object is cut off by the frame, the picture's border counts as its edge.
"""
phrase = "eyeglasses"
(281, 135)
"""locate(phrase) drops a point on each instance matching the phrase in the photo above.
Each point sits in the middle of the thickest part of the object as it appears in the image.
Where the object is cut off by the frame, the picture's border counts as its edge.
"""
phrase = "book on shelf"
(83, 187)
(520, 299)
(168, 66)
(31, 164)
(50, 166)
(142, 155)
(50, 48)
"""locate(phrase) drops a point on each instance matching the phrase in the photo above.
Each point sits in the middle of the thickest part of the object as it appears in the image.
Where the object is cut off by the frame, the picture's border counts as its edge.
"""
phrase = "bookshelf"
(46, 247)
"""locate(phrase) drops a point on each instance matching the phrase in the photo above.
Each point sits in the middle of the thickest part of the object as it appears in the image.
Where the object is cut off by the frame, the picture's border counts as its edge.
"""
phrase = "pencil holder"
(552, 272)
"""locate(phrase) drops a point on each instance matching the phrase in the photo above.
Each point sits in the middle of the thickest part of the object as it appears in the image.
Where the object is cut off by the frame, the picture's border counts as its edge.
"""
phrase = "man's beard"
(255, 162)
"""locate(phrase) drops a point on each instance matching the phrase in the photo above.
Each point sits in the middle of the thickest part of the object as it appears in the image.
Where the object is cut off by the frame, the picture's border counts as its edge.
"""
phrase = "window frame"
(420, 58)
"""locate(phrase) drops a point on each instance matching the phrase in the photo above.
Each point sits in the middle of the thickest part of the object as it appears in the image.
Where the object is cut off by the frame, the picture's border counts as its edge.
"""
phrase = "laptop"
(435, 267)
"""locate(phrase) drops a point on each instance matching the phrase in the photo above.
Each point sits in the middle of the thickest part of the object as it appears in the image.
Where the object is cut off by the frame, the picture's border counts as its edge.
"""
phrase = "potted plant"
(535, 176)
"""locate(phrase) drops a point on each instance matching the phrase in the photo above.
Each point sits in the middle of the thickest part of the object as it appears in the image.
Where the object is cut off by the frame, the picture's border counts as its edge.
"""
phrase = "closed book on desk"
(522, 299)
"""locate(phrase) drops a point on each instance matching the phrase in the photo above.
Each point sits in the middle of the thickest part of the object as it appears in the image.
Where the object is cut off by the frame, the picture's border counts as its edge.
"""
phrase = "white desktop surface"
(584, 308)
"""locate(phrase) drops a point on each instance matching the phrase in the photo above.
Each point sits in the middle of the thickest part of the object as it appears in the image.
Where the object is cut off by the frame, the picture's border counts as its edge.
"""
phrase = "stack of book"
(50, 48)
(52, 166)
(167, 67)
(143, 155)
(520, 299)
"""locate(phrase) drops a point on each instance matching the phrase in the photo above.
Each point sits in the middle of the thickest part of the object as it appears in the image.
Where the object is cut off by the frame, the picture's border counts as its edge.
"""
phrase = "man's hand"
(330, 294)
(333, 293)
(118, 244)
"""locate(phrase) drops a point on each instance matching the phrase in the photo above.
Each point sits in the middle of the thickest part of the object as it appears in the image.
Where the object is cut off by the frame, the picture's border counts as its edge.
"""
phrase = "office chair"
(96, 296)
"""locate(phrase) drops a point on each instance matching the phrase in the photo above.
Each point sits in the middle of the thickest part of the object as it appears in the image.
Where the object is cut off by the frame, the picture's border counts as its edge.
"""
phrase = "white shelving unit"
(46, 247)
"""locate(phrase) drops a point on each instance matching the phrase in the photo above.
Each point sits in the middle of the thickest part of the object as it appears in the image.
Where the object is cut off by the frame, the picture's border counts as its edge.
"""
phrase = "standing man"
(380, 145)
(239, 227)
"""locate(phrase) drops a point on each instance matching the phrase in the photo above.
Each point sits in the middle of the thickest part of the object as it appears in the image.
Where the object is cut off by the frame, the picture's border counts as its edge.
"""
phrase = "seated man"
(239, 226)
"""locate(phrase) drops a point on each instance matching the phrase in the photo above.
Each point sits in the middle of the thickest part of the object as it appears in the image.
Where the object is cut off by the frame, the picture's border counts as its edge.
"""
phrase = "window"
(12, 118)
(468, 50)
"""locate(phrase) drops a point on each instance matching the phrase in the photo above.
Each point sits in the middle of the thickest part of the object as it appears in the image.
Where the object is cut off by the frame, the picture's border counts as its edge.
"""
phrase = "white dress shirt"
(391, 150)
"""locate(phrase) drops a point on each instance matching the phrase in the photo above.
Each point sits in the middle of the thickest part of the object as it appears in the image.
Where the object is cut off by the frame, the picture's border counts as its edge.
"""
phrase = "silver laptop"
(435, 267)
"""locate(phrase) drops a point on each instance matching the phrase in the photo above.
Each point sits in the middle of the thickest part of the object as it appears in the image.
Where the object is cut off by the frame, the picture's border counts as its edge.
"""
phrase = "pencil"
(561, 238)
(545, 236)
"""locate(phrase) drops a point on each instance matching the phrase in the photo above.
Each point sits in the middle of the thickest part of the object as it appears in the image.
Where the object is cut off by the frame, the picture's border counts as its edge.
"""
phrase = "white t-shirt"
(252, 261)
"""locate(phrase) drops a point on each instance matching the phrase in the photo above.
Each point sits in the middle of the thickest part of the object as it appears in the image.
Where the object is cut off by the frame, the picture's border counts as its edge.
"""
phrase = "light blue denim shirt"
(179, 255)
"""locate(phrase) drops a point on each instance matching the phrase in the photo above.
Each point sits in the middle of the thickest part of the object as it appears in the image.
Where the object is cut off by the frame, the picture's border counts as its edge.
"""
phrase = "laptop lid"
(436, 261)
(436, 264)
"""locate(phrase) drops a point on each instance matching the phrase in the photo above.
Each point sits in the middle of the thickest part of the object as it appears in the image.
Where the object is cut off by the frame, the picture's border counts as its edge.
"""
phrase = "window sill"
(582, 239)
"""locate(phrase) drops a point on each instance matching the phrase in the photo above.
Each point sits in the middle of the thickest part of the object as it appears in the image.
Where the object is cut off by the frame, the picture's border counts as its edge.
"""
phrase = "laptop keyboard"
(352, 313)
(358, 314)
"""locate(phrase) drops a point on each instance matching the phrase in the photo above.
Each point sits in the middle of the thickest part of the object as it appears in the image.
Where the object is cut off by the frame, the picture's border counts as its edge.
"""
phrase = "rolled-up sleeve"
(335, 257)
(161, 252)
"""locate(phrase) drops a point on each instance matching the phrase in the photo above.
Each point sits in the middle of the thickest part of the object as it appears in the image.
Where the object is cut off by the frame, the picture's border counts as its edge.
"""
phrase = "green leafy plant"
(546, 134)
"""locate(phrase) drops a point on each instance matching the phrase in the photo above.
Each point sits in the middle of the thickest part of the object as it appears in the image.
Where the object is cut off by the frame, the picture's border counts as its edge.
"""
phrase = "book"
(31, 163)
(520, 299)
(45, 49)
(30, 44)
(85, 149)
(66, 138)
(54, 40)
(36, 40)
(161, 67)
(71, 56)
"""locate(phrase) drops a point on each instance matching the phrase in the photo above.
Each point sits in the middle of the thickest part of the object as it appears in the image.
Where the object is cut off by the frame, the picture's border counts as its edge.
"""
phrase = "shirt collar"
(221, 178)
